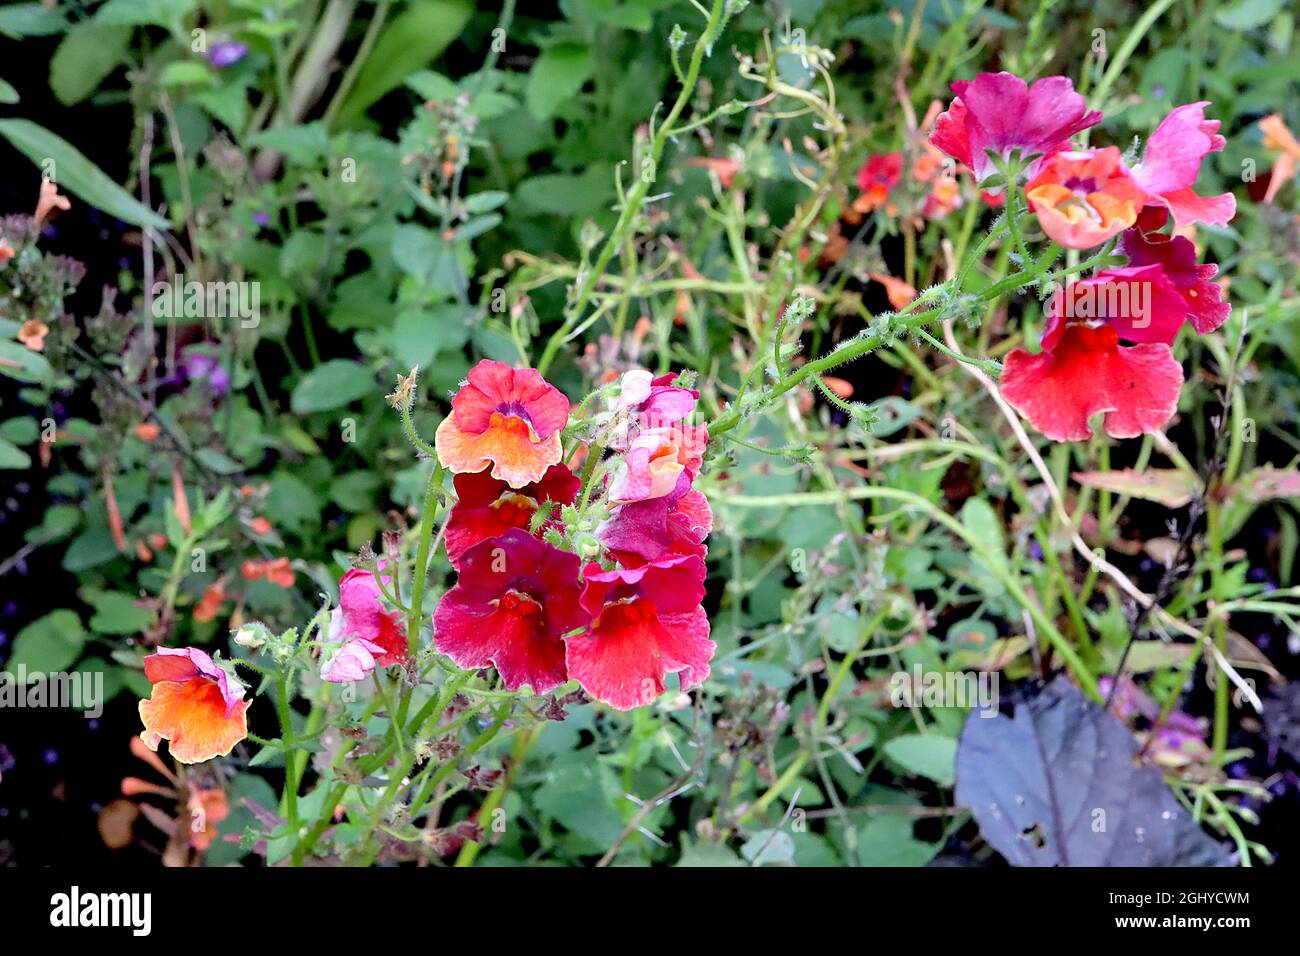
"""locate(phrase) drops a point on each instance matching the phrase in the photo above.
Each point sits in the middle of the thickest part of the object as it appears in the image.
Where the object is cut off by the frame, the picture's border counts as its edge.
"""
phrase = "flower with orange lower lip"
(504, 417)
(1085, 197)
(195, 705)
(1278, 137)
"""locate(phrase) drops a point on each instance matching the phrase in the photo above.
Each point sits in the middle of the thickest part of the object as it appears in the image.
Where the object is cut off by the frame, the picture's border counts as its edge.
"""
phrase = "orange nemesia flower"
(49, 201)
(1085, 197)
(1278, 137)
(32, 334)
(214, 595)
(506, 418)
(195, 705)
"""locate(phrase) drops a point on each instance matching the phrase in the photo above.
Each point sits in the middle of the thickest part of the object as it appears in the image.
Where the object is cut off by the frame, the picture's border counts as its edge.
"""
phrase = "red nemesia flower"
(1177, 257)
(1171, 161)
(646, 623)
(516, 597)
(1000, 112)
(671, 525)
(1082, 198)
(1086, 372)
(876, 179)
(487, 507)
(195, 705)
(504, 417)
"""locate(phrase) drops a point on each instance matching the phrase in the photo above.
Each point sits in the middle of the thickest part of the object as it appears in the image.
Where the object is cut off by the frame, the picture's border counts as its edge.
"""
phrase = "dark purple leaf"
(1057, 786)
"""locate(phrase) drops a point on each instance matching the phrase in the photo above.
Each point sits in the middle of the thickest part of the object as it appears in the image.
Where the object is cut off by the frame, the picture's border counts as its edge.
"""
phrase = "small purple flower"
(262, 218)
(200, 367)
(226, 53)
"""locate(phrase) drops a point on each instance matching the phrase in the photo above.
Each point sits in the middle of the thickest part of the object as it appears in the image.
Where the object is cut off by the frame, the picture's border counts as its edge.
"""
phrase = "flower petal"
(506, 444)
(192, 716)
(1087, 372)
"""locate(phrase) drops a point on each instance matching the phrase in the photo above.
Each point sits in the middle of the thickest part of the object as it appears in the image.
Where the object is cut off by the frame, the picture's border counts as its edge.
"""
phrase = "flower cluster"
(1005, 129)
(524, 602)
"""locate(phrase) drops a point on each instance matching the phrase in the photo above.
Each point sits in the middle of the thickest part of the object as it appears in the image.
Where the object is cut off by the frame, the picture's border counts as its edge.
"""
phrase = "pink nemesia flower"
(644, 531)
(646, 623)
(361, 614)
(352, 661)
(1086, 372)
(655, 459)
(1176, 255)
(1001, 113)
(1171, 161)
(486, 507)
(504, 417)
(516, 597)
(195, 705)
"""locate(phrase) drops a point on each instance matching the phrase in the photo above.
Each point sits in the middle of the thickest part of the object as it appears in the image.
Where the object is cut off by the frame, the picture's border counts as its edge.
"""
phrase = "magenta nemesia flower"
(644, 531)
(1139, 302)
(1001, 113)
(655, 402)
(1176, 256)
(646, 623)
(515, 599)
(1171, 162)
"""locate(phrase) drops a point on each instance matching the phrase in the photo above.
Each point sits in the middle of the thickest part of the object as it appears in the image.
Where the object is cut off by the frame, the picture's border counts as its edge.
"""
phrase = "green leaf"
(59, 522)
(187, 73)
(11, 456)
(31, 20)
(21, 430)
(8, 94)
(413, 39)
(336, 383)
(20, 362)
(1248, 14)
(887, 840)
(88, 53)
(355, 492)
(163, 13)
(49, 644)
(302, 144)
(116, 613)
(90, 549)
(557, 76)
(568, 194)
(76, 173)
(430, 85)
(926, 755)
(768, 846)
